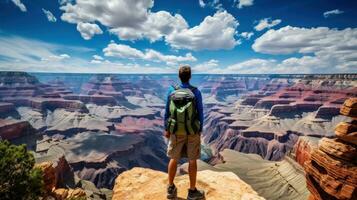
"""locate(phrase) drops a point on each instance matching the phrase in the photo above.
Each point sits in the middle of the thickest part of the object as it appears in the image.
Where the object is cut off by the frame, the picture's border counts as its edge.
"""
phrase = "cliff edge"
(143, 183)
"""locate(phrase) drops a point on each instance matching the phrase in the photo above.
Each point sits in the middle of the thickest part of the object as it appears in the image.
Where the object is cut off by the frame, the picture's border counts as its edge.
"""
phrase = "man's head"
(185, 73)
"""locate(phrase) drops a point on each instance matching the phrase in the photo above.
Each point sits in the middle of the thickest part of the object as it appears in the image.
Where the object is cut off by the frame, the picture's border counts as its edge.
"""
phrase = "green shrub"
(18, 178)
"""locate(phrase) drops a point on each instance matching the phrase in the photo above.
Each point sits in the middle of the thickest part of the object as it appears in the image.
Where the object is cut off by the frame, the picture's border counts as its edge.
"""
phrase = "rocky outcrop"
(272, 180)
(61, 183)
(13, 129)
(49, 176)
(303, 148)
(332, 171)
(347, 132)
(349, 108)
(339, 149)
(51, 183)
(140, 183)
(327, 112)
(63, 193)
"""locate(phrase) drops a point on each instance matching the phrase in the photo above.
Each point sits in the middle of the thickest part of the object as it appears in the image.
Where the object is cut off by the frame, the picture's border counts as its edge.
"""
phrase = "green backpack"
(183, 113)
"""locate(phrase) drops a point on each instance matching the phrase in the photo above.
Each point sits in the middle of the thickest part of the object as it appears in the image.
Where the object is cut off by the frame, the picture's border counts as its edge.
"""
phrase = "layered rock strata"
(332, 171)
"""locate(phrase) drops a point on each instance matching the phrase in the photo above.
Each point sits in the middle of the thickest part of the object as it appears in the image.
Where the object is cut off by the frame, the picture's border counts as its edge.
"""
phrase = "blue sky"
(156, 36)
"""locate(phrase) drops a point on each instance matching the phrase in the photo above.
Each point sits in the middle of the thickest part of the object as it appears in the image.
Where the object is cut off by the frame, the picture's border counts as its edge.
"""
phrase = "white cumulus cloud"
(213, 33)
(252, 66)
(88, 30)
(111, 13)
(208, 66)
(266, 23)
(137, 21)
(19, 4)
(156, 26)
(246, 35)
(96, 57)
(49, 15)
(332, 12)
(244, 3)
(202, 3)
(125, 51)
(321, 47)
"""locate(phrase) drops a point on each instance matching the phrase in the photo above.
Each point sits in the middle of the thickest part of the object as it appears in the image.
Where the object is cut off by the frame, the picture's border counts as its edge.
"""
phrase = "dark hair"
(185, 73)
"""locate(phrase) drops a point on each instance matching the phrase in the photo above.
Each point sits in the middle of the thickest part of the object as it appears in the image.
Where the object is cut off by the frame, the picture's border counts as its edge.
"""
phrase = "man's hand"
(167, 134)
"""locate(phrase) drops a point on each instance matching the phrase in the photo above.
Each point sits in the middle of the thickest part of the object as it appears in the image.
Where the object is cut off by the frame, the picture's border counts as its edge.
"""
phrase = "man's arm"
(199, 105)
(167, 108)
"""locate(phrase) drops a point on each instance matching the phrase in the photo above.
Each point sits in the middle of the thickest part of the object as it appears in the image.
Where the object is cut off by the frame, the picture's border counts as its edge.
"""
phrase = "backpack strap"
(176, 86)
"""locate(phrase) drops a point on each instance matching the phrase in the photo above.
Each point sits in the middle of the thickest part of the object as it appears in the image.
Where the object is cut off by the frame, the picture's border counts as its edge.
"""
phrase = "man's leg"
(172, 168)
(192, 171)
(193, 152)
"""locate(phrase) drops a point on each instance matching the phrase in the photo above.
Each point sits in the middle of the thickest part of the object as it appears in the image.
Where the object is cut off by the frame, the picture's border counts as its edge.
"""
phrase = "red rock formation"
(332, 171)
(49, 176)
(52, 181)
(349, 108)
(327, 112)
(347, 132)
(12, 129)
(303, 149)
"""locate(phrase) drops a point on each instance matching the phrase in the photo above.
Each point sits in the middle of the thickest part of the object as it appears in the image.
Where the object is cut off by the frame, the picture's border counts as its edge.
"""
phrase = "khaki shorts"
(184, 146)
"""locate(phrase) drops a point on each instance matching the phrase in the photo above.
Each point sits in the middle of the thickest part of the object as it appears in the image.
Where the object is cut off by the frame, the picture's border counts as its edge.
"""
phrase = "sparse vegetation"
(18, 177)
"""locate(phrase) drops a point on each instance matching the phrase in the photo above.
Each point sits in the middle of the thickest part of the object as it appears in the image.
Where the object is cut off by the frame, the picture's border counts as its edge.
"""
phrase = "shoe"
(195, 195)
(171, 192)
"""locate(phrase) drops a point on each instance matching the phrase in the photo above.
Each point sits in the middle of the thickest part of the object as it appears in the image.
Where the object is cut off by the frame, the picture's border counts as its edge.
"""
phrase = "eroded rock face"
(270, 121)
(332, 171)
(100, 157)
(49, 176)
(303, 148)
(347, 132)
(61, 183)
(12, 129)
(62, 193)
(152, 185)
(18, 132)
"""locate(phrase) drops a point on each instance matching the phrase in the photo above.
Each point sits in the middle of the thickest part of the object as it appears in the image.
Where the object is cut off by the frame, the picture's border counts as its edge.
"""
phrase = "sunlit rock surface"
(152, 185)
(272, 180)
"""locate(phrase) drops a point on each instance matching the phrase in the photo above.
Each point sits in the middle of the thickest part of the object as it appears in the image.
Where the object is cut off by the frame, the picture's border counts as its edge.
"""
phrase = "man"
(183, 127)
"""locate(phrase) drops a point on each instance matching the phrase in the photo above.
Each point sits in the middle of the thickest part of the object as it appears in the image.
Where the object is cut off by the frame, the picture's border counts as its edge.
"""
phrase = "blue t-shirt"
(198, 99)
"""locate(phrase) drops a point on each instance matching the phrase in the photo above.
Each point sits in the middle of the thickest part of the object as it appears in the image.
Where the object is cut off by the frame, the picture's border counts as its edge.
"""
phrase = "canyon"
(271, 136)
